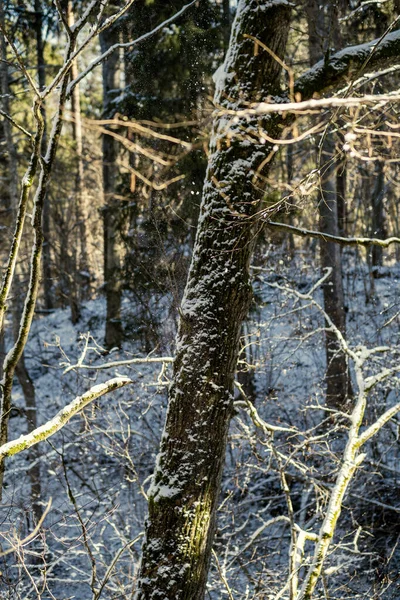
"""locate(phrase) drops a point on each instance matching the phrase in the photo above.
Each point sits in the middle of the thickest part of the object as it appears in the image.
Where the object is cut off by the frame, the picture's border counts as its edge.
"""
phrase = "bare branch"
(15, 124)
(310, 106)
(62, 417)
(20, 61)
(120, 363)
(353, 241)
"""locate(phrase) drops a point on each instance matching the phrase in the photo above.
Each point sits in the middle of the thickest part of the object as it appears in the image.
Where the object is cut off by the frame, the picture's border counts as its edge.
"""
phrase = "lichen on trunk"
(184, 493)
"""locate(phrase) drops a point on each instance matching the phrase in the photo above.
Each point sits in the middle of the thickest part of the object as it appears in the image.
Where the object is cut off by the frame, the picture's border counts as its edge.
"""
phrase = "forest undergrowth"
(95, 473)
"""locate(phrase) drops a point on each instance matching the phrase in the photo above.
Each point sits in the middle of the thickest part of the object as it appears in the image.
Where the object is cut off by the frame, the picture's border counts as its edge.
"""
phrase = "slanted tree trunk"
(111, 208)
(184, 493)
(21, 370)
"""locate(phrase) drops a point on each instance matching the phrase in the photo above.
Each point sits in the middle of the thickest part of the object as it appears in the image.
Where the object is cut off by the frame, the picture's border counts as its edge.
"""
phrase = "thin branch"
(255, 417)
(15, 124)
(32, 535)
(113, 563)
(312, 105)
(353, 241)
(222, 576)
(62, 417)
(20, 61)
(72, 57)
(120, 363)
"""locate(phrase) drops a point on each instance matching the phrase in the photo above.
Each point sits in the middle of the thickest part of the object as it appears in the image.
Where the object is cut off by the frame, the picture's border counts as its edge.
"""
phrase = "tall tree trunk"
(21, 370)
(226, 22)
(378, 220)
(41, 71)
(85, 244)
(338, 383)
(184, 493)
(111, 208)
(323, 30)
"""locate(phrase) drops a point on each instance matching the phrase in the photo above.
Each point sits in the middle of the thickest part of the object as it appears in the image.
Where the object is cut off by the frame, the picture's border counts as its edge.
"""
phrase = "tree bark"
(41, 72)
(337, 376)
(184, 493)
(111, 208)
(24, 378)
(84, 262)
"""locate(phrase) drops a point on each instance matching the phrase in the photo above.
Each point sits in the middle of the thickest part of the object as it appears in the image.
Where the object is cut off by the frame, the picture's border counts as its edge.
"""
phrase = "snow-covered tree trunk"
(184, 493)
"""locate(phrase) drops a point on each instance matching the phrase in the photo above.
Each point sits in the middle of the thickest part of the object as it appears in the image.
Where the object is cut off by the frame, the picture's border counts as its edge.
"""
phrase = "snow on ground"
(97, 469)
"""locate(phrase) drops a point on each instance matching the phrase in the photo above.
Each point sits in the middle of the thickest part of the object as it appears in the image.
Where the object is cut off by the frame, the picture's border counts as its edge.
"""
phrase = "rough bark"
(111, 208)
(184, 493)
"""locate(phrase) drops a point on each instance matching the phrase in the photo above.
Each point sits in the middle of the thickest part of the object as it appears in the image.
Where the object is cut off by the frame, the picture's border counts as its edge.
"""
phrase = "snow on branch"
(352, 241)
(312, 105)
(333, 71)
(120, 363)
(62, 417)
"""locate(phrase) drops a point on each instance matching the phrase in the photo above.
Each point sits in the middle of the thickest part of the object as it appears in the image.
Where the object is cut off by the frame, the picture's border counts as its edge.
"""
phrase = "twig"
(32, 535)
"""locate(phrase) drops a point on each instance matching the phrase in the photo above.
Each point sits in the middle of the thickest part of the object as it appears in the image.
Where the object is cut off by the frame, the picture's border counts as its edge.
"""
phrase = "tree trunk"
(28, 390)
(84, 262)
(111, 209)
(184, 493)
(338, 383)
(21, 370)
(41, 71)
(378, 220)
(323, 28)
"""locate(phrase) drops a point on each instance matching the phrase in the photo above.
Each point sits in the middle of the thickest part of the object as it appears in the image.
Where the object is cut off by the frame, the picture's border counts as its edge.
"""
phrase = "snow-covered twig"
(120, 363)
(32, 535)
(257, 420)
(62, 417)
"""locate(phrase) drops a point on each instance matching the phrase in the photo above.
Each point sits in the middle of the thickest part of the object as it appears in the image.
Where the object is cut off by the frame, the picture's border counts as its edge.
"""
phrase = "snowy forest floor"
(98, 468)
